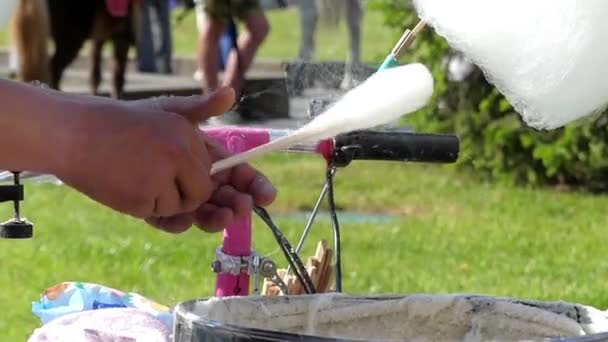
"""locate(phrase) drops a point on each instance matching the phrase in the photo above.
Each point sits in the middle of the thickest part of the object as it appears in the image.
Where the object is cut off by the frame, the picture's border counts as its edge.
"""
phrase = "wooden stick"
(407, 39)
(319, 267)
(275, 145)
(327, 270)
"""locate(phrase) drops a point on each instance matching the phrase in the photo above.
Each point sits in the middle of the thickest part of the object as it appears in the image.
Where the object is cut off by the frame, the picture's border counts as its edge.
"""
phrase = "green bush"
(494, 139)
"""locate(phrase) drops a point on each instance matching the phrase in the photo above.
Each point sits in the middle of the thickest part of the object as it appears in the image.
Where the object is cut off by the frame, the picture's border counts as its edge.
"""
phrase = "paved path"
(143, 85)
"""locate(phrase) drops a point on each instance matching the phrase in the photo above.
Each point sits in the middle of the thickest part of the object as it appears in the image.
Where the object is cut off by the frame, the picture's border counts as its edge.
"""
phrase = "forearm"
(35, 128)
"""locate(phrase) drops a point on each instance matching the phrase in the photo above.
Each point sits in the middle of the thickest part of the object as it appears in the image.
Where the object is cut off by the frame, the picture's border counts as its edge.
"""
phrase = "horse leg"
(354, 16)
(66, 50)
(13, 61)
(308, 24)
(95, 77)
(30, 34)
(121, 54)
(300, 78)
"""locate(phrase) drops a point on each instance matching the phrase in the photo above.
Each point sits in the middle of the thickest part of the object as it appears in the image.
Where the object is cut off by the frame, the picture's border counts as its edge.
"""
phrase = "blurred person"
(217, 15)
(8, 8)
(154, 41)
(147, 158)
(228, 41)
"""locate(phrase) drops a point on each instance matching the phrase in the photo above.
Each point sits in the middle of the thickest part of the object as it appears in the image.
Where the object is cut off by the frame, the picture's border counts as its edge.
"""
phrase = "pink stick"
(238, 236)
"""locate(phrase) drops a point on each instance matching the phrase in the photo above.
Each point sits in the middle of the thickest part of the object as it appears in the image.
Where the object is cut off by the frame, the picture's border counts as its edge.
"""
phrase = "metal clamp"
(268, 269)
(234, 265)
(253, 264)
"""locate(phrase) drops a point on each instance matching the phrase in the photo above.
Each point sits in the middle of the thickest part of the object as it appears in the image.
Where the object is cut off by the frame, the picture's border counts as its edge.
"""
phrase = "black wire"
(290, 254)
(336, 227)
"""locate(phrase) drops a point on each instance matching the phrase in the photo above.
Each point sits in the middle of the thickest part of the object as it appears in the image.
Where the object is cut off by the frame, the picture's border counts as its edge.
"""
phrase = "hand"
(236, 190)
(147, 159)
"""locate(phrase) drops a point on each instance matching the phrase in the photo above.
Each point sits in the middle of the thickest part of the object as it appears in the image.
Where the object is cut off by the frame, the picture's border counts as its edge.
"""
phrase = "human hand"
(149, 160)
(236, 191)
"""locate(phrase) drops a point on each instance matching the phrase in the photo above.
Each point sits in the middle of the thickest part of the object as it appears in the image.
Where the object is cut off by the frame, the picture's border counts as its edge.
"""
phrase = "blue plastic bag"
(71, 297)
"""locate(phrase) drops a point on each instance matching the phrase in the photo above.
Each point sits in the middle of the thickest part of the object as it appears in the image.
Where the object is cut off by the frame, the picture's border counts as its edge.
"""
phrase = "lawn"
(283, 42)
(451, 233)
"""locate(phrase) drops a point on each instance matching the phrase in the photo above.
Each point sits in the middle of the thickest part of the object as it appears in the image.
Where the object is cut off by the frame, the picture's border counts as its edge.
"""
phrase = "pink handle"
(238, 236)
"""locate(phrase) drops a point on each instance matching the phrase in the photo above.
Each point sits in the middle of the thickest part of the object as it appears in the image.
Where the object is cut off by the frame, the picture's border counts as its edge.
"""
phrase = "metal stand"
(17, 227)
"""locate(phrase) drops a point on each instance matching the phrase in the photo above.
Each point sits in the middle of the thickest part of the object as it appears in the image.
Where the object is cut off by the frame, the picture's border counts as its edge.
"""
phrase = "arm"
(147, 158)
(34, 129)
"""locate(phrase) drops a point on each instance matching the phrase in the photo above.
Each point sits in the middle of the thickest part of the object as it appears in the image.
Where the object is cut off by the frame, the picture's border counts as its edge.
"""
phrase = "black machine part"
(395, 145)
(15, 228)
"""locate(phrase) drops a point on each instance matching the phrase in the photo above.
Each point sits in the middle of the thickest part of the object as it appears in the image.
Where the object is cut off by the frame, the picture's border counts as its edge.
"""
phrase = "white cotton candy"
(381, 99)
(548, 57)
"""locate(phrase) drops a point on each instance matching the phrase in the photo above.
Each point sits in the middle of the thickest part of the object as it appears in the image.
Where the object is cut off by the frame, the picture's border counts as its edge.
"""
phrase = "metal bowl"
(244, 319)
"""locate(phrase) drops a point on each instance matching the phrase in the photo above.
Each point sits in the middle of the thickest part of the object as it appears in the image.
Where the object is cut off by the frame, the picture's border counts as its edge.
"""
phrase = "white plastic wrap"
(7, 176)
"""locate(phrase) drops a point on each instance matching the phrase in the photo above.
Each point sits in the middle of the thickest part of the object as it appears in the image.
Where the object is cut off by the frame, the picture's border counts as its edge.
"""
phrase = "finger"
(175, 224)
(227, 197)
(243, 177)
(195, 184)
(198, 108)
(212, 218)
(247, 179)
(169, 202)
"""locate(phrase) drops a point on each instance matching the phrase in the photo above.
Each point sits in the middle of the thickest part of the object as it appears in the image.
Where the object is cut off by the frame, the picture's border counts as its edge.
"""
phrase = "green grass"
(3, 38)
(283, 42)
(453, 234)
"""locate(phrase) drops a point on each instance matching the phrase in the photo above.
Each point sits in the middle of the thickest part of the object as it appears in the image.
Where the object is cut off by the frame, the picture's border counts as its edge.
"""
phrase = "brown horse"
(29, 32)
(70, 23)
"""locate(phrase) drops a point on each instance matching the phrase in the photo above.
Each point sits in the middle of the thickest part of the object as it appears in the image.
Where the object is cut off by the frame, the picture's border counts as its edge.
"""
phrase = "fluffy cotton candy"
(548, 57)
(381, 99)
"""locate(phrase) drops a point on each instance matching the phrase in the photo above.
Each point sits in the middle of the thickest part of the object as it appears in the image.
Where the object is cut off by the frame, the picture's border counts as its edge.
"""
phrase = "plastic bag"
(108, 325)
(71, 297)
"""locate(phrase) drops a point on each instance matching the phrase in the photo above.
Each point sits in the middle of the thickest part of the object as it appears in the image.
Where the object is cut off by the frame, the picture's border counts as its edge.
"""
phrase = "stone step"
(265, 93)
(182, 65)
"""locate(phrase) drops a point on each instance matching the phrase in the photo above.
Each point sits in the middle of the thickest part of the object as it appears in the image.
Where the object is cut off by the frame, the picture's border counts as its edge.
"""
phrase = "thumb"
(199, 108)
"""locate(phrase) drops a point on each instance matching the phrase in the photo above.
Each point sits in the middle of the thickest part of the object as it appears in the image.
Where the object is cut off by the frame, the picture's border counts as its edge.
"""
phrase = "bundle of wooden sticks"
(319, 267)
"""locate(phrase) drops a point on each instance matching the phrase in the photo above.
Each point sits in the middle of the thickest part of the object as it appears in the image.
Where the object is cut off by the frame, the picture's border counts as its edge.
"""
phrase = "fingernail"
(267, 187)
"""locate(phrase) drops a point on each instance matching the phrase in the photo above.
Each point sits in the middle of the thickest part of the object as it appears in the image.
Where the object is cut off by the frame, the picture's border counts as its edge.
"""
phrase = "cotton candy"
(548, 57)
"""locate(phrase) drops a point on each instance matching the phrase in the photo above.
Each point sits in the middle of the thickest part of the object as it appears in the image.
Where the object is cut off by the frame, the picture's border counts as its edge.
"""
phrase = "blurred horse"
(69, 23)
(29, 29)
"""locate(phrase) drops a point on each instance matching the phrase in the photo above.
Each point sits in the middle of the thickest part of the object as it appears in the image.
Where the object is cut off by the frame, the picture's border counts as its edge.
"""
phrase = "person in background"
(217, 15)
(145, 158)
(154, 42)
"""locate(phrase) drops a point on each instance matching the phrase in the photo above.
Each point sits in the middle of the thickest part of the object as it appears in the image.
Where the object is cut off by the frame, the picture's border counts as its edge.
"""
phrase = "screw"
(216, 266)
(267, 268)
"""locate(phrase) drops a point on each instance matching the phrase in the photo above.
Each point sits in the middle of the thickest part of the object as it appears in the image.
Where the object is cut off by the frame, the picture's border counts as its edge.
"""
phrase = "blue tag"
(98, 305)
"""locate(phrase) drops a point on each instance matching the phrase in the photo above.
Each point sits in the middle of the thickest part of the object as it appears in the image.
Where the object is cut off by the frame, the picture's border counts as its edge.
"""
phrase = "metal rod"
(292, 257)
(311, 220)
(331, 170)
(16, 204)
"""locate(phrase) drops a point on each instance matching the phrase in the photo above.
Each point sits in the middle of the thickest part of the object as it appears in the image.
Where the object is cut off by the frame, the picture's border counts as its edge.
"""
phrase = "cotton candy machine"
(419, 317)
(236, 315)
